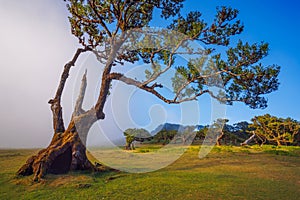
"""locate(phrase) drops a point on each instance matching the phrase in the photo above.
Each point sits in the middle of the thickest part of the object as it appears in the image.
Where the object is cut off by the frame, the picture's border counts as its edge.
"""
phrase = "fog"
(35, 43)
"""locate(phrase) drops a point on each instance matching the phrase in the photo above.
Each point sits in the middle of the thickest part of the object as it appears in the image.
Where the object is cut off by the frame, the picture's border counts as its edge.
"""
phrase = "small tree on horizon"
(102, 27)
(134, 134)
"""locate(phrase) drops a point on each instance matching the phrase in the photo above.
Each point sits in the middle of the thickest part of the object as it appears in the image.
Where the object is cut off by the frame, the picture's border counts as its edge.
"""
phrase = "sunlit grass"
(226, 173)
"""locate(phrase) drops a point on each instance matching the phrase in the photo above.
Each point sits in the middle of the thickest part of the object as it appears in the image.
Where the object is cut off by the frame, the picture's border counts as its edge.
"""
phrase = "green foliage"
(133, 134)
(138, 133)
(92, 20)
(164, 136)
(274, 129)
(129, 141)
(110, 25)
(201, 134)
(223, 133)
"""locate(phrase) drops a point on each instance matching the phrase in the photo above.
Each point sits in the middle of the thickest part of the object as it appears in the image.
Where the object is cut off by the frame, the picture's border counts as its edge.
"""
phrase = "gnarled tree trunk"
(66, 152)
(218, 141)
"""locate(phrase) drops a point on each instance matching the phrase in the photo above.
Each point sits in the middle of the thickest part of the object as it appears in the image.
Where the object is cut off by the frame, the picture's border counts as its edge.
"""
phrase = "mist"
(35, 43)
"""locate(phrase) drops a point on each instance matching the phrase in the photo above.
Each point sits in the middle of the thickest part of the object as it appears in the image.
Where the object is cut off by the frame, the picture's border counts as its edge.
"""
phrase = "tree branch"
(151, 89)
(58, 123)
(101, 22)
(105, 83)
(78, 106)
(155, 76)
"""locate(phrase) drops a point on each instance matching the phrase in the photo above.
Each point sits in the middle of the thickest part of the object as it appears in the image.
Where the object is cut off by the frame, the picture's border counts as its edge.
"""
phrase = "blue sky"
(36, 42)
(276, 22)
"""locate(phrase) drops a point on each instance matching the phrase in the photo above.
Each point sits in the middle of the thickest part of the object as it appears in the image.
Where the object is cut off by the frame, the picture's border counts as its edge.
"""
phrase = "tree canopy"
(107, 27)
(274, 129)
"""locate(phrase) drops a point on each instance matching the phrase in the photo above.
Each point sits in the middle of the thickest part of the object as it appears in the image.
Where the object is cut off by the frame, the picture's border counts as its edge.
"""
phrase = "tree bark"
(58, 122)
(218, 142)
(278, 142)
(129, 146)
(246, 142)
(67, 150)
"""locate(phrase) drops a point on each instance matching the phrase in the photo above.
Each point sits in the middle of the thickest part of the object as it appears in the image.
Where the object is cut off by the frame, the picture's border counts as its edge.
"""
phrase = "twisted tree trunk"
(218, 141)
(67, 150)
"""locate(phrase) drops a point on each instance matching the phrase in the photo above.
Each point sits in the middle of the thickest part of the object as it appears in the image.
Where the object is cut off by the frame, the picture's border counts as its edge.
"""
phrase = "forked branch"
(151, 88)
(58, 123)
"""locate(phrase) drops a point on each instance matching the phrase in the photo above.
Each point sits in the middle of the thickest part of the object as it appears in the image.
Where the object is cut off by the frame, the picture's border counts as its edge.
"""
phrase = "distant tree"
(134, 134)
(274, 129)
(129, 141)
(106, 28)
(187, 134)
(201, 134)
(242, 130)
(219, 127)
(241, 127)
(231, 136)
(164, 136)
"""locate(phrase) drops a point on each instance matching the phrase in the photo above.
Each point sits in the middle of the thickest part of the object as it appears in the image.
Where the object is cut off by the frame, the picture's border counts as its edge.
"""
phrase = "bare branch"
(151, 89)
(66, 71)
(118, 15)
(155, 76)
(58, 123)
(78, 106)
(129, 6)
(183, 87)
(105, 83)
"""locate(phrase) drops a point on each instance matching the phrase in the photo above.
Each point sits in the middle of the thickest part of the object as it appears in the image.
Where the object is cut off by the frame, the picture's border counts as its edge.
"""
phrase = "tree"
(165, 136)
(133, 134)
(201, 134)
(129, 141)
(106, 28)
(188, 133)
(219, 126)
(274, 129)
(241, 130)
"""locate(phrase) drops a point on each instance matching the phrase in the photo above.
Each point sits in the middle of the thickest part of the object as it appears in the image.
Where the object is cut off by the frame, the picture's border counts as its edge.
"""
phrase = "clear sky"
(276, 22)
(36, 42)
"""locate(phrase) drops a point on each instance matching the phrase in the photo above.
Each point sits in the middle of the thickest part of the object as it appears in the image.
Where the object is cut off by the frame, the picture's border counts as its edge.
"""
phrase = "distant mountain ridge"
(174, 127)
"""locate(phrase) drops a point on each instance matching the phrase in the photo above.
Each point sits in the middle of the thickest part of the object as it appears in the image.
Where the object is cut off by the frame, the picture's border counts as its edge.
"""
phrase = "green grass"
(255, 172)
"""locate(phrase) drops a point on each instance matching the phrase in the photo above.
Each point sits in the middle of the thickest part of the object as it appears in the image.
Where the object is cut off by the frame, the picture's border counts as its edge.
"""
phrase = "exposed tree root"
(65, 152)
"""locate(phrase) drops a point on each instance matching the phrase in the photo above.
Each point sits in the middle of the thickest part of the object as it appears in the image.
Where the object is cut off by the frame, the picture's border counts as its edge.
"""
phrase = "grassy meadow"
(255, 172)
